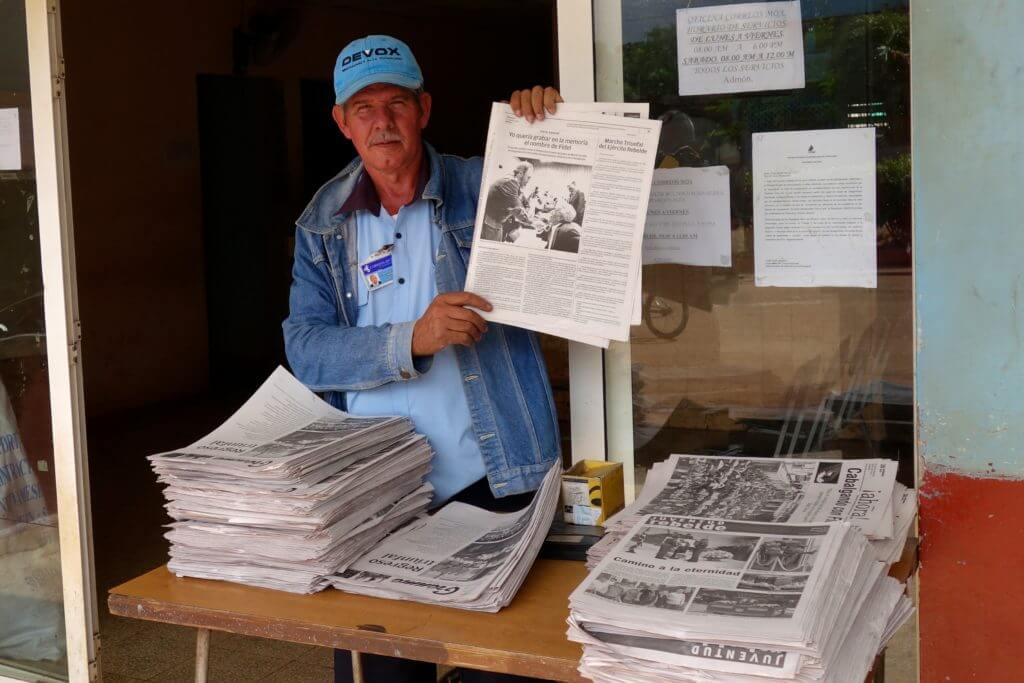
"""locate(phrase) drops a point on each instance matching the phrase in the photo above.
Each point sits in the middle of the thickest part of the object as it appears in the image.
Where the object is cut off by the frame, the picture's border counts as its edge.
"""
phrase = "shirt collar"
(364, 195)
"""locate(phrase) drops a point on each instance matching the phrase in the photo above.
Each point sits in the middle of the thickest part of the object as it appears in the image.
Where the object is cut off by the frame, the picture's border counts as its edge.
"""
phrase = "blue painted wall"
(968, 155)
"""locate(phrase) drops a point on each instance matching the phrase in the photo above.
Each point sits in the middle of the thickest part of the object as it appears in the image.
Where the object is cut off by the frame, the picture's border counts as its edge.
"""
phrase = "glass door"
(47, 599)
(722, 365)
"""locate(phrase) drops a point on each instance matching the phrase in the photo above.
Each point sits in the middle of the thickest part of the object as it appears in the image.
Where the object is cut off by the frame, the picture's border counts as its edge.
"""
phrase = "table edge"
(387, 644)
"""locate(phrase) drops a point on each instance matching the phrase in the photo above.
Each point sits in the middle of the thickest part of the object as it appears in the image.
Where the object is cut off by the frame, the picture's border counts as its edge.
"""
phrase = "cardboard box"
(592, 492)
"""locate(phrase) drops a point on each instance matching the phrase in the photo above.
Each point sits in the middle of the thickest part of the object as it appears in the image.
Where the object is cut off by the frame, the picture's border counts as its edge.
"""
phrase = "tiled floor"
(139, 651)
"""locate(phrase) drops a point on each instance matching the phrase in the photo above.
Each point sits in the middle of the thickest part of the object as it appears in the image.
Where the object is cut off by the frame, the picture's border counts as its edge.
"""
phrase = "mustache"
(385, 137)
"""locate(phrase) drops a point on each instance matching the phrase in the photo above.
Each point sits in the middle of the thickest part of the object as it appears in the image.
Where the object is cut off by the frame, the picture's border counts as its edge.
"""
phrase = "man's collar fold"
(364, 196)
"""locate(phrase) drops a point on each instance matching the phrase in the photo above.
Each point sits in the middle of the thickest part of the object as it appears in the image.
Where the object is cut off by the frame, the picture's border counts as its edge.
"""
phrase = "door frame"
(600, 381)
(63, 336)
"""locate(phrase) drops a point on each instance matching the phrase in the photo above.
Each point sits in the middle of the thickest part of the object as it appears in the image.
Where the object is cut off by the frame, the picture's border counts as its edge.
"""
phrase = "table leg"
(202, 653)
(357, 668)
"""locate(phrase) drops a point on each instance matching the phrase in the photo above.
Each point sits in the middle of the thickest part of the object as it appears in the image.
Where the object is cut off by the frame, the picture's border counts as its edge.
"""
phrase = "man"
(562, 233)
(410, 343)
(506, 205)
(578, 201)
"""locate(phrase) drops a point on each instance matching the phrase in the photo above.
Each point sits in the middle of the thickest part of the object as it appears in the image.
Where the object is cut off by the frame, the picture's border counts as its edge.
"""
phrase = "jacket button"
(348, 295)
(401, 280)
(404, 374)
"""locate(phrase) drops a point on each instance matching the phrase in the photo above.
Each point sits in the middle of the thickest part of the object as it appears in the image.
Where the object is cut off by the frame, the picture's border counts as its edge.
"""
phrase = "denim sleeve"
(324, 352)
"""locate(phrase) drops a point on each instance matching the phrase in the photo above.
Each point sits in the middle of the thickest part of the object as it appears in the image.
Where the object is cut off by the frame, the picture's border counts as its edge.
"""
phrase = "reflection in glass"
(32, 642)
(721, 366)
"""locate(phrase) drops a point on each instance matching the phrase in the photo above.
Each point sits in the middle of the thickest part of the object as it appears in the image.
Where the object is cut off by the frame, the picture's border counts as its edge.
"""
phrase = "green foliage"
(649, 67)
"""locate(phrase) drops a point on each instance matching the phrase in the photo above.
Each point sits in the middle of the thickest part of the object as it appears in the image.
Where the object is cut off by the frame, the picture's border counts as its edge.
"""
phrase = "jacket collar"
(321, 215)
(364, 196)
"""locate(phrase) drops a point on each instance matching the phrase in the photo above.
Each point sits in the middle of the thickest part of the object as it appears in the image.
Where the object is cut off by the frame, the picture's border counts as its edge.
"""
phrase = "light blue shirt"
(435, 401)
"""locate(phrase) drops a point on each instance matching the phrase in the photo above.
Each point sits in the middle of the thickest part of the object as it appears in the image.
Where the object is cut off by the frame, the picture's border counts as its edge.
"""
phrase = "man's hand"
(533, 102)
(447, 321)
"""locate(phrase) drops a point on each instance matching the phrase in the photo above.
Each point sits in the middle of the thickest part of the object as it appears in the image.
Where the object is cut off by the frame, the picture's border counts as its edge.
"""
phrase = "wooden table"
(526, 638)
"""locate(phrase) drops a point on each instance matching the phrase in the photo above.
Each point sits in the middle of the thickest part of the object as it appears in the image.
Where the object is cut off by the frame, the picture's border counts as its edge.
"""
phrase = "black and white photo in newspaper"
(772, 490)
(559, 226)
(674, 575)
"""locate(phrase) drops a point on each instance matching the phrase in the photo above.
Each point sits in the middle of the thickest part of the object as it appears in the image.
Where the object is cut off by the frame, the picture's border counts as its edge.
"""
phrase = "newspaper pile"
(864, 493)
(693, 599)
(747, 569)
(290, 490)
(557, 244)
(462, 556)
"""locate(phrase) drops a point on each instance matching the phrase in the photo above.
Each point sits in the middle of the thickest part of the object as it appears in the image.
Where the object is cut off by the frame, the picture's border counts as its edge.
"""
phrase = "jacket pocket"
(463, 237)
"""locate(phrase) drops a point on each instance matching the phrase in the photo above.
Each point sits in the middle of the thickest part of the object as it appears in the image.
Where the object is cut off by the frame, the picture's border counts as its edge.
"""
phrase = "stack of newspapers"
(747, 569)
(290, 490)
(690, 599)
(462, 556)
(864, 493)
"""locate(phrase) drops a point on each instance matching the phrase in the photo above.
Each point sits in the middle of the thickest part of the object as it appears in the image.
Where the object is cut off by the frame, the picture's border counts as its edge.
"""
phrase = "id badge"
(378, 269)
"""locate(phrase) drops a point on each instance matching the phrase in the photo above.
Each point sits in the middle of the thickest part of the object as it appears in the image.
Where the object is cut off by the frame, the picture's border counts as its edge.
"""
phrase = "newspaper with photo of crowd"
(747, 569)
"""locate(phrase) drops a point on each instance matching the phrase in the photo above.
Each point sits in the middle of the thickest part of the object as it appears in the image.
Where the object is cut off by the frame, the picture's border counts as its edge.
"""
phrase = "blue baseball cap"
(374, 59)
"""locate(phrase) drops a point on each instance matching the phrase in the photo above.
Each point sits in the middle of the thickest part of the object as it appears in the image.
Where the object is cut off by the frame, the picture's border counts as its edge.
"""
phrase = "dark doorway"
(245, 226)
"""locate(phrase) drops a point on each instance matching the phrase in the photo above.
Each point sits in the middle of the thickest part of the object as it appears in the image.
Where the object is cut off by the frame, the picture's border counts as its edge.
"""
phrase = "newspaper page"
(458, 555)
(682, 577)
(283, 424)
(635, 110)
(772, 490)
(546, 259)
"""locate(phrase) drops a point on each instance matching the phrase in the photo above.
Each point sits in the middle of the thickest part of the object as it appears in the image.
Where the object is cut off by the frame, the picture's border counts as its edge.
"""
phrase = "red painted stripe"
(972, 579)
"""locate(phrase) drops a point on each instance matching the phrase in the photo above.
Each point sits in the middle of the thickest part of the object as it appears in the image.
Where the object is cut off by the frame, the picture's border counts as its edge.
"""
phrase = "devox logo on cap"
(374, 59)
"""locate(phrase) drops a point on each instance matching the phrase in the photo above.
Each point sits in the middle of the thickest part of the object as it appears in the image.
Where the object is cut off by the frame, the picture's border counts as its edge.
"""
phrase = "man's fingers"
(551, 98)
(531, 103)
(456, 325)
(465, 299)
(537, 102)
(468, 316)
(515, 103)
(460, 338)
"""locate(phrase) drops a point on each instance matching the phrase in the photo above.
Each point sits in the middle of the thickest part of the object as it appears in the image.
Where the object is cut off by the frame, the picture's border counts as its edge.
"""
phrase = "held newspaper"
(559, 228)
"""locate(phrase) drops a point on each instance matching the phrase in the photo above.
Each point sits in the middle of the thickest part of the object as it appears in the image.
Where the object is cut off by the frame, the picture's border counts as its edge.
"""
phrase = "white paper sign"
(740, 48)
(10, 140)
(688, 217)
(814, 208)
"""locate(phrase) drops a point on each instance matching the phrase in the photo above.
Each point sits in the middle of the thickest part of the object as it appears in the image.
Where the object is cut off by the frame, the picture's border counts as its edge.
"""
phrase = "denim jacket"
(503, 375)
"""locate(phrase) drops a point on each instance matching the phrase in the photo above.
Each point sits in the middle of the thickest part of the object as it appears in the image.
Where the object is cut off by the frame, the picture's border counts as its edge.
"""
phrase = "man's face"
(385, 123)
(524, 176)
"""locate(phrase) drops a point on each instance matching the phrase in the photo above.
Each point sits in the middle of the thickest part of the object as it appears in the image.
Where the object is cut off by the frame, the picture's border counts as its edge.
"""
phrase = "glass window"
(31, 609)
(719, 365)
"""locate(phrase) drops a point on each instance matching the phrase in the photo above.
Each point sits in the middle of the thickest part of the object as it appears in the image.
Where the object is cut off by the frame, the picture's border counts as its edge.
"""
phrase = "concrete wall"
(968, 151)
(134, 145)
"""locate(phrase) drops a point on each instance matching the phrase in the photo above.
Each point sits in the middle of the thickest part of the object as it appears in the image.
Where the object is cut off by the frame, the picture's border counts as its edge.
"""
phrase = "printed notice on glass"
(688, 217)
(740, 48)
(814, 208)
(10, 140)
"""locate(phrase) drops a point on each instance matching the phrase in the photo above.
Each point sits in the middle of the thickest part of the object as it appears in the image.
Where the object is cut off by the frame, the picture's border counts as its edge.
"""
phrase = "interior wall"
(135, 155)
